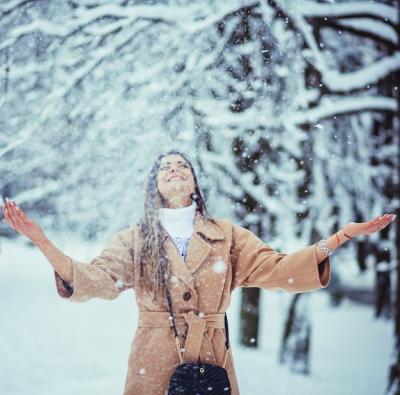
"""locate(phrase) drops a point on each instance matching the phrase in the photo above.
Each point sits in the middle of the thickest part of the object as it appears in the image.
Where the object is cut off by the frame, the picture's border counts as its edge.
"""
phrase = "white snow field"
(52, 346)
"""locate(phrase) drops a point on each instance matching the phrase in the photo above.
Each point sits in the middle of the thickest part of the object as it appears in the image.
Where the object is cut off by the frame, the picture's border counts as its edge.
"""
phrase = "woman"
(155, 255)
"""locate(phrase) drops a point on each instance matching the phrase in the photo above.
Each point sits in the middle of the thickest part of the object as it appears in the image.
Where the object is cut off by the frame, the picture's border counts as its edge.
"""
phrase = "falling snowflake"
(120, 284)
(142, 371)
(290, 280)
(219, 267)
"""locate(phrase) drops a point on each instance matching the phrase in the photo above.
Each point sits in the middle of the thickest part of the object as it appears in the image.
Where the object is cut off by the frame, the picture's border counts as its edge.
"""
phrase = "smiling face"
(175, 181)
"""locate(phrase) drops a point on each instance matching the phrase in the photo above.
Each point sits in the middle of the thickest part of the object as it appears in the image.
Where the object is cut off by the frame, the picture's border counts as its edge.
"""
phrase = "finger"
(383, 222)
(377, 225)
(377, 221)
(23, 217)
(7, 210)
(8, 217)
(19, 212)
(11, 210)
(8, 206)
(385, 219)
(373, 227)
(16, 218)
(386, 223)
(372, 222)
(12, 215)
(5, 214)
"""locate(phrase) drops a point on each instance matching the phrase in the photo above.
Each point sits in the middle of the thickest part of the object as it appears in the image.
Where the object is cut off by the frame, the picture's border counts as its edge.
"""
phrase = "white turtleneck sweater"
(179, 223)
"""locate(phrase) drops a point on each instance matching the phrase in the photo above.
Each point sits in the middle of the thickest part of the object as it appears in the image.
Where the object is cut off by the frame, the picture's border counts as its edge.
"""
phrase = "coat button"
(186, 296)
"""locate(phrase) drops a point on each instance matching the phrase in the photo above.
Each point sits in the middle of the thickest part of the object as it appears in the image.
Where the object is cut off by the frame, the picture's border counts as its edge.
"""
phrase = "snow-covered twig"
(329, 108)
(375, 10)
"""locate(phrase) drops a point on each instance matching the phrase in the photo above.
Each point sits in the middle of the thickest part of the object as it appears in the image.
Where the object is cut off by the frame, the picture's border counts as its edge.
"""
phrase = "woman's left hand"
(354, 229)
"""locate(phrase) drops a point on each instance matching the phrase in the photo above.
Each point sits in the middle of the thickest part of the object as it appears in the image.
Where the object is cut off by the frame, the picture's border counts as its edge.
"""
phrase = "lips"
(175, 178)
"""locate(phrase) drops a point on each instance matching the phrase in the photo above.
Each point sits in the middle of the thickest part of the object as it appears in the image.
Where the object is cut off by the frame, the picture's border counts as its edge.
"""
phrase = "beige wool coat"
(221, 256)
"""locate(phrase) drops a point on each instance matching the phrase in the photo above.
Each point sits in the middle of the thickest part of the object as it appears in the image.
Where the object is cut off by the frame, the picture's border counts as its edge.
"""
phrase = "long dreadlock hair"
(154, 265)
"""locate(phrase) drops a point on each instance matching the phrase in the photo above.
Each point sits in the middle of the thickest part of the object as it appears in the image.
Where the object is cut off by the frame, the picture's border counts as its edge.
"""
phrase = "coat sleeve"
(256, 264)
(106, 276)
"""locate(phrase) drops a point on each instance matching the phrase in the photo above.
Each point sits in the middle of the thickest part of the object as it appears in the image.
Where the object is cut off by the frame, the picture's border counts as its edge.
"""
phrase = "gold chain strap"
(225, 357)
(180, 355)
(178, 348)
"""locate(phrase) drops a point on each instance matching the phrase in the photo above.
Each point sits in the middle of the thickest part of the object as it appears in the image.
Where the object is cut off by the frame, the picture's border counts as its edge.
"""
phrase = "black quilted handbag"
(198, 378)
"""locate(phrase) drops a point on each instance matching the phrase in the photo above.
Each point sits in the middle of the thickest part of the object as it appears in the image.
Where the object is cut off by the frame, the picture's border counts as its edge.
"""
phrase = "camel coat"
(221, 256)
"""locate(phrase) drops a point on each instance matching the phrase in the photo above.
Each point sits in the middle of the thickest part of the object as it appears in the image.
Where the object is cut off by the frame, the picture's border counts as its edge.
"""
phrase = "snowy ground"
(52, 346)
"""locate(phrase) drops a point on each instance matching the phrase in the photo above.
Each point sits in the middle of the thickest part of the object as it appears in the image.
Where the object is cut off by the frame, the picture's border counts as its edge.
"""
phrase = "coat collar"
(206, 227)
(198, 250)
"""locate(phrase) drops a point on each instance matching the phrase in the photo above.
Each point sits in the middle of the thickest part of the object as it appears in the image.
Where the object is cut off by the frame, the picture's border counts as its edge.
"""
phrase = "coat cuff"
(64, 289)
(320, 275)
(310, 275)
(324, 271)
(76, 290)
(87, 283)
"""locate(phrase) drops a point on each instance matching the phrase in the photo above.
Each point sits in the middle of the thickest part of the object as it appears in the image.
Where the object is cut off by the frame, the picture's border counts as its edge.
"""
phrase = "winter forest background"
(289, 111)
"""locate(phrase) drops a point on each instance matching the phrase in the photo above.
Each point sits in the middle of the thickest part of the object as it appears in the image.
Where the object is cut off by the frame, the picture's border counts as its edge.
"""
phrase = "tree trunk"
(249, 317)
(295, 347)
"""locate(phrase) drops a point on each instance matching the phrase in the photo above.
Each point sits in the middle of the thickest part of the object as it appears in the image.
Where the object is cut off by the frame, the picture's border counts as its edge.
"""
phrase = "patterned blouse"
(182, 245)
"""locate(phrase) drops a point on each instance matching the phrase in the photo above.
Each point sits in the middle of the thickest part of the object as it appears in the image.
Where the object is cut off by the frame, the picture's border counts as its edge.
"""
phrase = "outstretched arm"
(107, 275)
(19, 221)
(256, 264)
(354, 229)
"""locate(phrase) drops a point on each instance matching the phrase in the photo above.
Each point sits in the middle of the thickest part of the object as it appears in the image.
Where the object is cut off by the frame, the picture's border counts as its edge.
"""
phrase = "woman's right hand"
(19, 221)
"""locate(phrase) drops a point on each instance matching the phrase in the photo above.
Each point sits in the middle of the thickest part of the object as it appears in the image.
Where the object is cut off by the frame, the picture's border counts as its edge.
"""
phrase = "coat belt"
(200, 331)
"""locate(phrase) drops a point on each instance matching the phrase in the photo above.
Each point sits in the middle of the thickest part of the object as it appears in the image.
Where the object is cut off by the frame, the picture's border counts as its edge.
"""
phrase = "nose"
(173, 171)
(174, 168)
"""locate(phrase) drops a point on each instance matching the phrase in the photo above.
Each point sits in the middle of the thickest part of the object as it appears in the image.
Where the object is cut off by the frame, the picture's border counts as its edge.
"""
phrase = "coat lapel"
(198, 250)
(178, 266)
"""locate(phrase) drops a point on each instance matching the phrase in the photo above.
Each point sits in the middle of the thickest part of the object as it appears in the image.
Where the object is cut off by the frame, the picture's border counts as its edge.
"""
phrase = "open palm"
(376, 224)
(19, 221)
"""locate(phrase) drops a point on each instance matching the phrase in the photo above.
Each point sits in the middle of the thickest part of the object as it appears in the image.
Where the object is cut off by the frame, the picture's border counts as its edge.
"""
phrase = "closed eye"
(180, 165)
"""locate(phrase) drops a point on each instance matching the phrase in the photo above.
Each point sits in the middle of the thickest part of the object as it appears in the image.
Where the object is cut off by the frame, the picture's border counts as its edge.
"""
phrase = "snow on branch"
(332, 107)
(375, 27)
(15, 142)
(43, 26)
(39, 192)
(246, 180)
(11, 6)
(350, 9)
(345, 82)
(370, 74)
